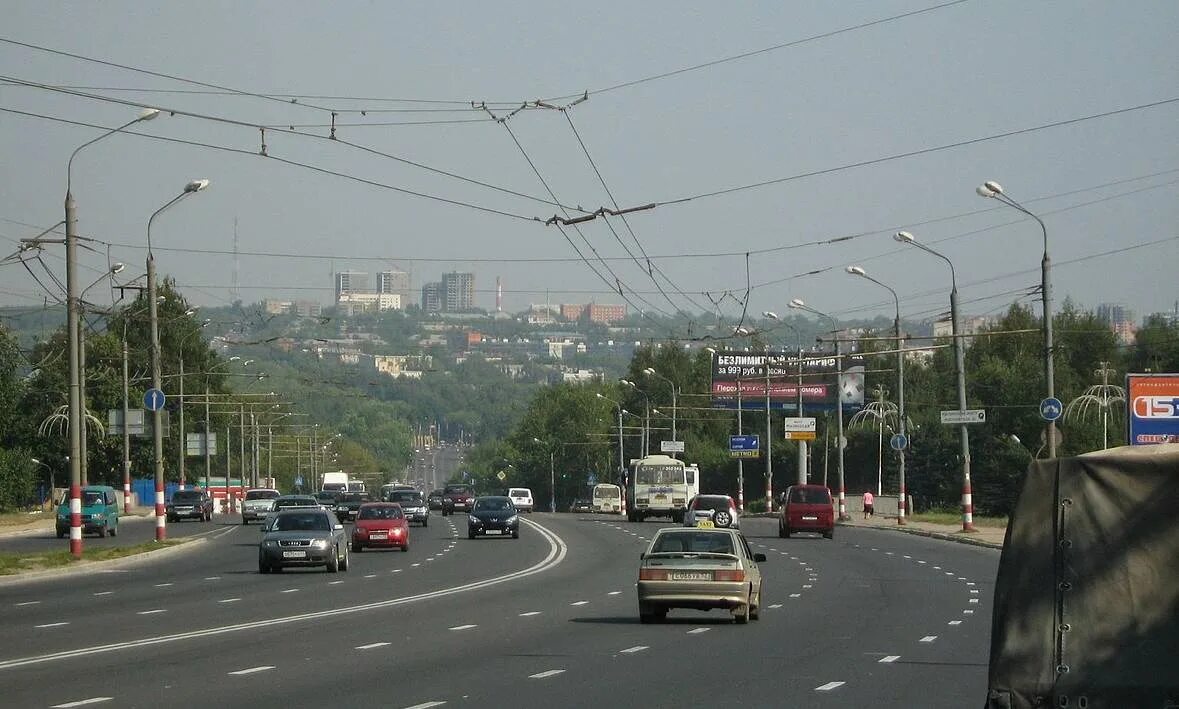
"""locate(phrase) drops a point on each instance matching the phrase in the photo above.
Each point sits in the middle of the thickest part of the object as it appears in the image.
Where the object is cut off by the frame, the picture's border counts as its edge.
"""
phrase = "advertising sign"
(1153, 403)
(746, 372)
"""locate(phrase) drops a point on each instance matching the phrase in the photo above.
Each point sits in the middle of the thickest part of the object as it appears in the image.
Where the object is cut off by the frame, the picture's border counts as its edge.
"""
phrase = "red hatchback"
(806, 508)
(380, 524)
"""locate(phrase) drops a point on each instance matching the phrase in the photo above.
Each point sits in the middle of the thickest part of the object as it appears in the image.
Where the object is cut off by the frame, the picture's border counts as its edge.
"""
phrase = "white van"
(521, 498)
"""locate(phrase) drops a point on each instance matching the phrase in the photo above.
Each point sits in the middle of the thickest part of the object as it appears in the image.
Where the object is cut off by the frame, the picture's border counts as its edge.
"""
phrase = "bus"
(658, 487)
(607, 499)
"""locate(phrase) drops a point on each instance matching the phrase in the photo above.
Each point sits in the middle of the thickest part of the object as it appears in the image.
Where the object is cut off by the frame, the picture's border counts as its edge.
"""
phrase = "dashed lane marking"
(426, 705)
(26, 603)
(796, 595)
(465, 627)
(370, 646)
(928, 638)
(335, 583)
(829, 686)
(290, 590)
(229, 600)
(163, 585)
(974, 590)
(52, 625)
(370, 576)
(954, 622)
(775, 605)
(889, 658)
(251, 670)
(974, 600)
(152, 612)
(103, 593)
(636, 648)
(82, 702)
(545, 674)
(529, 614)
(613, 593)
(212, 578)
(967, 612)
(697, 631)
(579, 603)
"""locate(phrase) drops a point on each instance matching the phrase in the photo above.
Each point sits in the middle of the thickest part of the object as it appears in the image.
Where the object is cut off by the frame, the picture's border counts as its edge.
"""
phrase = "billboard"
(1153, 408)
(745, 373)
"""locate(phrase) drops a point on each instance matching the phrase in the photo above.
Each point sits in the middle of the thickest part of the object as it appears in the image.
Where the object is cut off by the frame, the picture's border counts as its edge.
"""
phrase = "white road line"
(26, 603)
(545, 674)
(152, 612)
(697, 631)
(889, 658)
(806, 585)
(938, 568)
(830, 685)
(529, 614)
(163, 585)
(104, 593)
(415, 564)
(919, 561)
(395, 571)
(290, 590)
(212, 578)
(969, 583)
(370, 646)
(636, 648)
(974, 590)
(908, 557)
(82, 702)
(251, 670)
(796, 595)
(465, 627)
(579, 603)
(370, 576)
(52, 625)
(229, 600)
(949, 573)
(613, 593)
(928, 638)
(775, 605)
(967, 612)
(974, 600)
(954, 622)
(961, 578)
(889, 553)
(334, 583)
(426, 705)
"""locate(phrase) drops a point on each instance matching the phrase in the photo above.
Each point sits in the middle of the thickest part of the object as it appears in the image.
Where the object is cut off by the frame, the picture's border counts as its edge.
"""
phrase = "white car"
(521, 498)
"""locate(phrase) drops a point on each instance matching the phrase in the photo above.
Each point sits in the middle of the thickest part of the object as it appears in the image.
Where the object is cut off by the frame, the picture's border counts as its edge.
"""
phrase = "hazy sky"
(813, 112)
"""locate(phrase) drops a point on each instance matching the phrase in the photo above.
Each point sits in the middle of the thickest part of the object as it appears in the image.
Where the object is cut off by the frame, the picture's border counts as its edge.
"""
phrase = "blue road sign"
(153, 400)
(899, 442)
(1051, 409)
(744, 446)
(298, 481)
(592, 479)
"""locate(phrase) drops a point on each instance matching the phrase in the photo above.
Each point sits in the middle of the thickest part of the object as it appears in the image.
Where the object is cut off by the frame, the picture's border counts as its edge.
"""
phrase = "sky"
(862, 117)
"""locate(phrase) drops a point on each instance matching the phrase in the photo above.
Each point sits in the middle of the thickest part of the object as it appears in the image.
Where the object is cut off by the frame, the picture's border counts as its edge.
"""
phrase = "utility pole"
(769, 440)
(208, 454)
(183, 444)
(126, 429)
(740, 461)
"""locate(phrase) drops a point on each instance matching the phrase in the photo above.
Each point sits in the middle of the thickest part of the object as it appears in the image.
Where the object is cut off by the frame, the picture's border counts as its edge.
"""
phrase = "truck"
(334, 482)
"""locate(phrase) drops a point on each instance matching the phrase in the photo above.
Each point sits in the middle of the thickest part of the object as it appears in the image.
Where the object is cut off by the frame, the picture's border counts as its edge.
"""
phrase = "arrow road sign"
(1051, 409)
(899, 442)
(744, 446)
(153, 400)
(966, 416)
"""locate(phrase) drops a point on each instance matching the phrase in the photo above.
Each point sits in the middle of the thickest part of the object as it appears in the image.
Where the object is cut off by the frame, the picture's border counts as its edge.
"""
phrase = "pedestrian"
(869, 504)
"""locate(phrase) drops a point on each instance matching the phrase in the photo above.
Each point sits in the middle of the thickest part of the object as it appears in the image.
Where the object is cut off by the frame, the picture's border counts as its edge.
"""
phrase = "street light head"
(741, 330)
(196, 185)
(649, 370)
(117, 268)
(904, 237)
(856, 271)
(770, 314)
(148, 114)
(35, 461)
(710, 350)
(235, 358)
(797, 303)
(993, 186)
(190, 311)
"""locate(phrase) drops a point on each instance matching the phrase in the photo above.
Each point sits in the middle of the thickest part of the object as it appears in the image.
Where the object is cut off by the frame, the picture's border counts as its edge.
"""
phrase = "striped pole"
(967, 506)
(126, 495)
(76, 520)
(842, 503)
(161, 531)
(901, 504)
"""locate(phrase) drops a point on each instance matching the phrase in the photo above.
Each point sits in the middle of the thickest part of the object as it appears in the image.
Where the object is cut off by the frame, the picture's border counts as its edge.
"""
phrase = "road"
(872, 618)
(132, 530)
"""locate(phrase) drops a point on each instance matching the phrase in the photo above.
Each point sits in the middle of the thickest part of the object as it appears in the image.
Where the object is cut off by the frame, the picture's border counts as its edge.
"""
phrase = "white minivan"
(521, 498)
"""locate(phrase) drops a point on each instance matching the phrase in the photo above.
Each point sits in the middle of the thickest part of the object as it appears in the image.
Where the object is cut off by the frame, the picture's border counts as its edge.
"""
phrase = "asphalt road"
(132, 530)
(871, 618)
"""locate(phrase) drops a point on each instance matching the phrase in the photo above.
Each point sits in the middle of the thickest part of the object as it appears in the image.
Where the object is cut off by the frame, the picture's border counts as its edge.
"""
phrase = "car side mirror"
(759, 558)
(642, 555)
(337, 526)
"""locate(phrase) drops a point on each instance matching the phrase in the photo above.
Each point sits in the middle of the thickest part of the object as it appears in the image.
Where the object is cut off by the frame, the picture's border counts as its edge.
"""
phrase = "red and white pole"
(842, 503)
(901, 507)
(161, 531)
(126, 496)
(76, 520)
(967, 507)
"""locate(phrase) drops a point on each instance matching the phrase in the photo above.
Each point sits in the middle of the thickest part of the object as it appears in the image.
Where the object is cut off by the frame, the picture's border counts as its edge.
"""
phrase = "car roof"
(262, 489)
(302, 511)
(695, 530)
(809, 486)
(714, 497)
(97, 488)
(308, 498)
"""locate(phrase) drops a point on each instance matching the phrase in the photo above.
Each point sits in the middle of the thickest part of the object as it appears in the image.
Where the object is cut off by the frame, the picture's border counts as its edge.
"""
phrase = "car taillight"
(652, 575)
(721, 575)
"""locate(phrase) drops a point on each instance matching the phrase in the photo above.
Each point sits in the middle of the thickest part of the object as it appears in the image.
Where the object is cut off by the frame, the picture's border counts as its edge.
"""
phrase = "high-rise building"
(458, 291)
(1120, 320)
(351, 282)
(432, 297)
(394, 282)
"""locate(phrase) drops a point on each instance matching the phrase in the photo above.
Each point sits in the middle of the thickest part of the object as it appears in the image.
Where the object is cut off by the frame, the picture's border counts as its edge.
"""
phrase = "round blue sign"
(1051, 409)
(899, 442)
(153, 400)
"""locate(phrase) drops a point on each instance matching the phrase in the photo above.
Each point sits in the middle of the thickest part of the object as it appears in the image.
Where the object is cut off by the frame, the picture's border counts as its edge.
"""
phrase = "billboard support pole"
(740, 462)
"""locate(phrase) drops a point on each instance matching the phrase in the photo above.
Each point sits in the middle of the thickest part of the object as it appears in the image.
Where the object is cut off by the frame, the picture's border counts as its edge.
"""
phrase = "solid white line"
(26, 603)
(370, 646)
(104, 593)
(775, 605)
(529, 613)
(152, 612)
(829, 686)
(426, 705)
(251, 670)
(82, 702)
(52, 625)
(546, 673)
(697, 631)
(465, 627)
(889, 658)
(636, 648)
(291, 590)
(928, 638)
(163, 585)
(579, 603)
(954, 622)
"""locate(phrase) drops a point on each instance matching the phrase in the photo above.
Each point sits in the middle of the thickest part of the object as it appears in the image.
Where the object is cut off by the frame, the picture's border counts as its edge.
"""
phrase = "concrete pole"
(901, 506)
(75, 398)
(802, 445)
(552, 481)
(183, 447)
(126, 428)
(963, 434)
(84, 421)
(740, 461)
(228, 474)
(839, 417)
(242, 442)
(157, 433)
(208, 453)
(769, 441)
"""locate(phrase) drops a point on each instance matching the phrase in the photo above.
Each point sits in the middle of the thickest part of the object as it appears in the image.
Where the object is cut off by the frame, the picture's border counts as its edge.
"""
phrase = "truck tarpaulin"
(1087, 596)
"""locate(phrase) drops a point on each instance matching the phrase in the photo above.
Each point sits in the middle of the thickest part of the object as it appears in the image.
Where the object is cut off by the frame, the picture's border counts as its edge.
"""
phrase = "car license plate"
(661, 497)
(378, 535)
(705, 524)
(294, 555)
(690, 576)
(810, 518)
(493, 531)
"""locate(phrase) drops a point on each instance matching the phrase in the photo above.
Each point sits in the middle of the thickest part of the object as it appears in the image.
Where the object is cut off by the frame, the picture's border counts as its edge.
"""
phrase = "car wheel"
(404, 547)
(115, 530)
(471, 535)
(356, 547)
(722, 519)
(346, 561)
(786, 532)
(829, 534)
(742, 615)
(425, 523)
(515, 534)
(102, 531)
(333, 564)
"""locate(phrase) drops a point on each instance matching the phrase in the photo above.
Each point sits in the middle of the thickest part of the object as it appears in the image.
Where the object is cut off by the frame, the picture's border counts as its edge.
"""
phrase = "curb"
(92, 567)
(960, 539)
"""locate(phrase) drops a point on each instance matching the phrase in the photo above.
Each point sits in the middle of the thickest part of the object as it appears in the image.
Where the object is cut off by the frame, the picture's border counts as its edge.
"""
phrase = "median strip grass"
(15, 563)
(954, 517)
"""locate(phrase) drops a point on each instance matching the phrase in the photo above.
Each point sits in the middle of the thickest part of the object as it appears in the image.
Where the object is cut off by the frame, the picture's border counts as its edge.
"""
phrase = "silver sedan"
(700, 569)
(303, 537)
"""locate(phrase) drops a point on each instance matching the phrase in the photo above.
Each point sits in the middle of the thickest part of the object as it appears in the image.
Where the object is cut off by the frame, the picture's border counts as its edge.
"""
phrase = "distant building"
(395, 282)
(542, 314)
(432, 297)
(604, 314)
(458, 291)
(411, 366)
(302, 308)
(357, 303)
(1120, 320)
(971, 325)
(351, 282)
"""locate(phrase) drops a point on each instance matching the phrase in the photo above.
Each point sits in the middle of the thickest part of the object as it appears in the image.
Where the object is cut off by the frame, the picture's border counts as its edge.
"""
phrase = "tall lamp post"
(858, 271)
(73, 306)
(802, 445)
(552, 474)
(650, 372)
(993, 190)
(646, 447)
(800, 304)
(621, 458)
(157, 434)
(905, 237)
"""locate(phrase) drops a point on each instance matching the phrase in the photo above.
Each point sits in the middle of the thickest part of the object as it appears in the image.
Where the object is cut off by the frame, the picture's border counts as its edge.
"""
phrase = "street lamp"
(800, 304)
(621, 459)
(905, 237)
(157, 434)
(73, 307)
(650, 371)
(858, 271)
(646, 447)
(552, 474)
(802, 445)
(993, 190)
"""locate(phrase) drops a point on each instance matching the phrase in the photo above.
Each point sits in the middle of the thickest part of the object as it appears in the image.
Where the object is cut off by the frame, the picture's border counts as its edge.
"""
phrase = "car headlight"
(270, 543)
(97, 515)
(474, 520)
(512, 520)
(319, 543)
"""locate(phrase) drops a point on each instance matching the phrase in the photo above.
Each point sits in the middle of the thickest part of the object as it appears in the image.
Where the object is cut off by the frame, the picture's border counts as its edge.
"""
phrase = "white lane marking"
(430, 559)
(370, 576)
(415, 564)
(334, 583)
(967, 612)
(975, 600)
(546, 673)
(889, 553)
(104, 593)
(558, 550)
(465, 627)
(529, 613)
(163, 585)
(795, 595)
(152, 612)
(395, 571)
(26, 603)
(961, 578)
(613, 593)
(974, 590)
(636, 648)
(52, 625)
(969, 583)
(919, 561)
(697, 631)
(370, 646)
(949, 573)
(889, 658)
(830, 685)
(426, 705)
(229, 600)
(938, 568)
(579, 603)
(928, 638)
(290, 590)
(212, 578)
(251, 670)
(82, 702)
(954, 622)
(806, 585)
(908, 557)
(775, 605)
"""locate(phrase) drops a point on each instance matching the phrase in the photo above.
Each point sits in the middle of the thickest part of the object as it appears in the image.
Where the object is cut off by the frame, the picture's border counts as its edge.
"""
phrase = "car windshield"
(294, 502)
(405, 496)
(352, 497)
(660, 475)
(458, 490)
(810, 496)
(261, 494)
(382, 512)
(92, 498)
(712, 503)
(186, 496)
(699, 542)
(493, 504)
(519, 493)
(302, 522)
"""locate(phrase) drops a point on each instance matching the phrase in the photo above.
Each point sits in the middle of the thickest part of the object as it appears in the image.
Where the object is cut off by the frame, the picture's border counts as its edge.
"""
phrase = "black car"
(434, 499)
(493, 515)
(190, 504)
(580, 505)
(328, 498)
(412, 504)
(348, 505)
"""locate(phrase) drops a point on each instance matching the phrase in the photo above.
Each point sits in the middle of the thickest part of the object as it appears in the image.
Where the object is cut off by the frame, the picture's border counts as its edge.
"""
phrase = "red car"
(380, 524)
(806, 508)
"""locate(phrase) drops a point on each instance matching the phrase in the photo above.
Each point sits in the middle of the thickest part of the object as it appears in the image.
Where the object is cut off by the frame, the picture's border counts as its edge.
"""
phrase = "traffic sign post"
(671, 446)
(899, 442)
(153, 400)
(961, 417)
(800, 428)
(1051, 409)
(744, 446)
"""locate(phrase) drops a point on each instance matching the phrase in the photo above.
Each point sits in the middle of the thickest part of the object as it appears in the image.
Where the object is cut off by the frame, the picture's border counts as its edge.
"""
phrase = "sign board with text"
(965, 416)
(114, 422)
(195, 444)
(1152, 403)
(744, 446)
(671, 446)
(744, 375)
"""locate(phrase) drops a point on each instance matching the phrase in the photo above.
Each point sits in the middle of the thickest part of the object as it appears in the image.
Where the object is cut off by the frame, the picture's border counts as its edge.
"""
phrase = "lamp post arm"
(70, 164)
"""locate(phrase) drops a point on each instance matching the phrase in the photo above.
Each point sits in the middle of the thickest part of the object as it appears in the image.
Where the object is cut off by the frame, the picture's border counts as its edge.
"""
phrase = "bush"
(18, 479)
(755, 506)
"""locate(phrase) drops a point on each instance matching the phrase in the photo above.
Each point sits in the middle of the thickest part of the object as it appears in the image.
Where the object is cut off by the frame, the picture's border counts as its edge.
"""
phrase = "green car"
(100, 511)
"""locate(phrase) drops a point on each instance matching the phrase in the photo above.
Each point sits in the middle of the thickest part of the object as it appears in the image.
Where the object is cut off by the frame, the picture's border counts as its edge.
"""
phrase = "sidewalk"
(982, 536)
